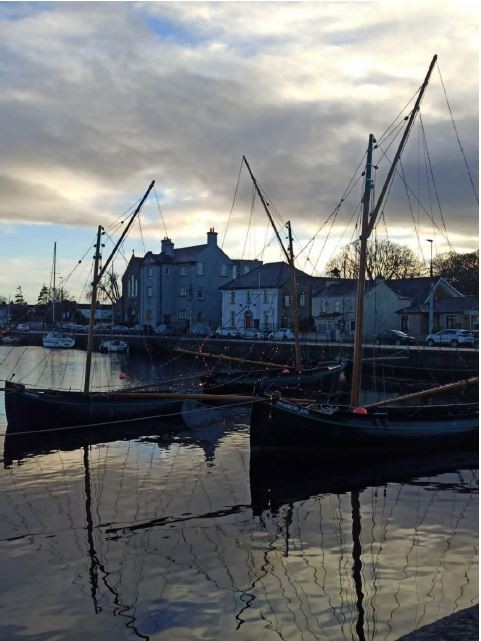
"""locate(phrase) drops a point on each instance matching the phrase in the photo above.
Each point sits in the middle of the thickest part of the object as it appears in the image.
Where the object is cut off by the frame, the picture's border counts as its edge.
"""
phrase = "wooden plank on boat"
(183, 396)
(225, 357)
(427, 392)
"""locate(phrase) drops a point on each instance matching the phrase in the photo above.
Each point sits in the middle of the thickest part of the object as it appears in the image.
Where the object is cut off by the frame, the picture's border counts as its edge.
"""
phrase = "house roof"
(417, 289)
(268, 275)
(344, 287)
(460, 305)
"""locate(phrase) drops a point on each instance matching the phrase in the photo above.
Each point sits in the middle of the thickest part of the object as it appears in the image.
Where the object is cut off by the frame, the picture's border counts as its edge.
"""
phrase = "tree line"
(389, 260)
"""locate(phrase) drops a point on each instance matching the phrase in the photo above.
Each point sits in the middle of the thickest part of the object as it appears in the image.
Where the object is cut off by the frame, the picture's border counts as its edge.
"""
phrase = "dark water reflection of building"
(181, 535)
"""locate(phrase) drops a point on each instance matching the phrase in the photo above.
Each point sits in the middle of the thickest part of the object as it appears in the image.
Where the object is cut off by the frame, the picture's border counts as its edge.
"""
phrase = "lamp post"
(431, 289)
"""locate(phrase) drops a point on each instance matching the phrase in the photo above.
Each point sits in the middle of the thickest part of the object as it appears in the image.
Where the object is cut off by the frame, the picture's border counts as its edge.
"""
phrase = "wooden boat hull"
(280, 425)
(238, 382)
(30, 410)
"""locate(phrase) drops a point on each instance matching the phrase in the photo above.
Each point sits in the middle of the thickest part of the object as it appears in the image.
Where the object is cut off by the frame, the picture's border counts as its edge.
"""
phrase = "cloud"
(99, 98)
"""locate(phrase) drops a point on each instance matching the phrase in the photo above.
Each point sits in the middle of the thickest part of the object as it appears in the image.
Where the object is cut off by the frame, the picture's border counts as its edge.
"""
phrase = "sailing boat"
(56, 339)
(286, 378)
(31, 410)
(287, 424)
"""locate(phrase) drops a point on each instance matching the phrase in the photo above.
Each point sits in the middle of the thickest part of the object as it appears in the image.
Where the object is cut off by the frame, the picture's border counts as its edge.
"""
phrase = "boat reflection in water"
(171, 536)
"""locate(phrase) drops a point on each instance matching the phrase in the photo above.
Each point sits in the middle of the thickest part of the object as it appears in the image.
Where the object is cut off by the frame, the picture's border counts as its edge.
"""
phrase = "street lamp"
(430, 241)
(431, 290)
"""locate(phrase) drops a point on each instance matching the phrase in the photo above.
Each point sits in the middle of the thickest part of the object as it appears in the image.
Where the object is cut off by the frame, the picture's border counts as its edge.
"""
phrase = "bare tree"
(384, 259)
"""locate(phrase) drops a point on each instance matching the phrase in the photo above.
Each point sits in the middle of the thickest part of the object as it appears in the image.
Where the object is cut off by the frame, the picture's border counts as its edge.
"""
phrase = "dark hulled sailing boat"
(34, 410)
(289, 424)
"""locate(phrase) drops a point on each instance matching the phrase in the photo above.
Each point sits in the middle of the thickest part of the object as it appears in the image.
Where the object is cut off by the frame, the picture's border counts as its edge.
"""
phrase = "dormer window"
(200, 269)
(183, 270)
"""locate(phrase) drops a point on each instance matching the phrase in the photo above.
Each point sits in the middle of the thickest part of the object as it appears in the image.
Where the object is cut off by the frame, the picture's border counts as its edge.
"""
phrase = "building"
(179, 286)
(262, 298)
(391, 304)
(130, 300)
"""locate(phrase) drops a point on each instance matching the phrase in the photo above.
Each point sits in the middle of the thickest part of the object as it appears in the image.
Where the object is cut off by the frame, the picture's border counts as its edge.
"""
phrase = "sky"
(98, 99)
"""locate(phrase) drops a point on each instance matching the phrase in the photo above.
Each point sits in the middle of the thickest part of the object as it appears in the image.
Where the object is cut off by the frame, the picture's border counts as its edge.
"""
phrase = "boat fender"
(122, 376)
(285, 371)
(359, 410)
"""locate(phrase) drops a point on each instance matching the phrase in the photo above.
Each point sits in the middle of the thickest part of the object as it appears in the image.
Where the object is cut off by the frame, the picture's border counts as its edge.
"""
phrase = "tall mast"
(96, 279)
(93, 303)
(290, 261)
(54, 292)
(295, 310)
(368, 222)
(361, 280)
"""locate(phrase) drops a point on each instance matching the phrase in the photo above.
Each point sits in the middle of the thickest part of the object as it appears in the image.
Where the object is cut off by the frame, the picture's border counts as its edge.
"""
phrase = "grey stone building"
(179, 286)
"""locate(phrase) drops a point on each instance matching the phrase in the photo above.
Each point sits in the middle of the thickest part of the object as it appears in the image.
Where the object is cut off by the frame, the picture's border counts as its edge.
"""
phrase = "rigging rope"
(457, 135)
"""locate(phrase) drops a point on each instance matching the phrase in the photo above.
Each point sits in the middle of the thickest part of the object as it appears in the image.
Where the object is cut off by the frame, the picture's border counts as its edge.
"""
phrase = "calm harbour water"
(178, 537)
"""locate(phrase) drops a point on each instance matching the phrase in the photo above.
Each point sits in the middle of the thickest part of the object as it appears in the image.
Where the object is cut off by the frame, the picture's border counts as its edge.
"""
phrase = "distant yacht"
(54, 338)
(58, 339)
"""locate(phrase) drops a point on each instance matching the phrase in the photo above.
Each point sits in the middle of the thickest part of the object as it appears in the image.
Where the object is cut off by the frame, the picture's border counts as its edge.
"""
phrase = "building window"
(266, 300)
(223, 270)
(337, 305)
(183, 291)
(266, 320)
(182, 314)
(200, 294)
(245, 269)
(287, 300)
(167, 271)
(404, 323)
(149, 272)
(200, 269)
(234, 271)
(183, 270)
(248, 299)
(149, 292)
(232, 297)
(232, 319)
(302, 299)
(452, 322)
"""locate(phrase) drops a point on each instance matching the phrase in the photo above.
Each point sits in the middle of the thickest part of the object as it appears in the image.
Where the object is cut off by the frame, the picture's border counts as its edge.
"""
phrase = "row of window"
(183, 291)
(287, 299)
(183, 270)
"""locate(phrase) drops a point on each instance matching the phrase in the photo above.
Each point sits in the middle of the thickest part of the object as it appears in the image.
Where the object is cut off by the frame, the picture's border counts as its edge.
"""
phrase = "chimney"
(212, 237)
(167, 247)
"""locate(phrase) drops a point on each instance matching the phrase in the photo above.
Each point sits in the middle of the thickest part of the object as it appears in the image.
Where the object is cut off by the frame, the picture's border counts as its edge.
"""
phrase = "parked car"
(120, 329)
(451, 337)
(251, 334)
(201, 330)
(394, 337)
(164, 330)
(282, 334)
(23, 327)
(229, 332)
(102, 327)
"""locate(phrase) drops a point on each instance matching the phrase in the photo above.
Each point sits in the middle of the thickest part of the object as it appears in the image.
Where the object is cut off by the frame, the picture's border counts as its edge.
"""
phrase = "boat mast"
(54, 293)
(295, 310)
(290, 261)
(93, 303)
(368, 222)
(96, 279)
(361, 280)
